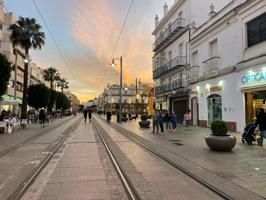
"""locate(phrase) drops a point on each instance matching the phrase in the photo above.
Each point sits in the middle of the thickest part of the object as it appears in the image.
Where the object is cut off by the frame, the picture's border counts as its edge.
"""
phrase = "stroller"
(249, 135)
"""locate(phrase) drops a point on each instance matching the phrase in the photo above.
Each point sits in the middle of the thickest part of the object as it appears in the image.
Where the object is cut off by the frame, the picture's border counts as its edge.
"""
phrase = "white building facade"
(227, 73)
(6, 48)
(171, 52)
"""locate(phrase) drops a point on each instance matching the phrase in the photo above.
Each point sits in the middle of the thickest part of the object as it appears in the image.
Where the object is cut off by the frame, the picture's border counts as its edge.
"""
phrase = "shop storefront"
(253, 86)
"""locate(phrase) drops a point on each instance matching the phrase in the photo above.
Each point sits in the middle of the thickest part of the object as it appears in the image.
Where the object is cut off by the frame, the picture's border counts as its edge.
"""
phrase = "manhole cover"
(178, 144)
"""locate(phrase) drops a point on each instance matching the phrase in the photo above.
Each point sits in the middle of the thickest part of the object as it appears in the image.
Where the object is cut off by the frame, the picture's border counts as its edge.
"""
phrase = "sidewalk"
(244, 166)
(9, 140)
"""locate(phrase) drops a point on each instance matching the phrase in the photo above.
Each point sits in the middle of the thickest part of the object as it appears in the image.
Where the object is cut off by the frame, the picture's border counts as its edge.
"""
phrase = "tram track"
(174, 164)
(125, 180)
(25, 184)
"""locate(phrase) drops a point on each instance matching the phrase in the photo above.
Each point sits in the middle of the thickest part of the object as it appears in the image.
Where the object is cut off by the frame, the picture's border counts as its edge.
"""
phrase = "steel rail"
(25, 184)
(127, 184)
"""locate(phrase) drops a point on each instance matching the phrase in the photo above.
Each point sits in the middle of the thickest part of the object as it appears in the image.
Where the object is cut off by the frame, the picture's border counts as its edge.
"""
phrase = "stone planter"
(220, 143)
(144, 124)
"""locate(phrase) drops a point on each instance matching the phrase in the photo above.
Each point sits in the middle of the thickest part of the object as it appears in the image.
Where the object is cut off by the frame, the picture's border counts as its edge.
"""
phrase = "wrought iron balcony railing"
(174, 27)
(174, 85)
(211, 64)
(169, 66)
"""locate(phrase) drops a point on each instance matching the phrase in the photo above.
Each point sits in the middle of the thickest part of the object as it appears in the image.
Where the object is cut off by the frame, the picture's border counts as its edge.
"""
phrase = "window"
(194, 60)
(213, 49)
(1, 44)
(256, 30)
(170, 55)
(1, 26)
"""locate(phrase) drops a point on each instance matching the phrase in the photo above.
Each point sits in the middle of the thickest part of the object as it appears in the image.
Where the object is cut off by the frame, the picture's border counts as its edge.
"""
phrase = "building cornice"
(170, 13)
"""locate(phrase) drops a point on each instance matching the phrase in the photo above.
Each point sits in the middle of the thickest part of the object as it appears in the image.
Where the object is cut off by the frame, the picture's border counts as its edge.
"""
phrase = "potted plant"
(220, 140)
(144, 123)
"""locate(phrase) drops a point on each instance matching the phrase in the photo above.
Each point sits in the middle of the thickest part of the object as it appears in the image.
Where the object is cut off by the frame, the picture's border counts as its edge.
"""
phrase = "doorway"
(214, 108)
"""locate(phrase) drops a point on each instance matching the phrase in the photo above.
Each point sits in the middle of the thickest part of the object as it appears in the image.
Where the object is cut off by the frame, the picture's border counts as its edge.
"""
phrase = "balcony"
(193, 74)
(177, 84)
(174, 27)
(211, 65)
(173, 64)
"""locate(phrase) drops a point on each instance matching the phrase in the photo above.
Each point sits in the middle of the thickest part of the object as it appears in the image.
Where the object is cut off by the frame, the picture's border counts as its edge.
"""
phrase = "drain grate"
(175, 140)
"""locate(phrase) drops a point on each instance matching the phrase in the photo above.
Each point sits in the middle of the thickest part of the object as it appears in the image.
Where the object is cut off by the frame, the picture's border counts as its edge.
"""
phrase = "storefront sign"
(253, 78)
(216, 88)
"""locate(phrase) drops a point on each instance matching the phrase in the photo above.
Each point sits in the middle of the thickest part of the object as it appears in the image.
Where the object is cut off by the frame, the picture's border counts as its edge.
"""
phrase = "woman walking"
(89, 112)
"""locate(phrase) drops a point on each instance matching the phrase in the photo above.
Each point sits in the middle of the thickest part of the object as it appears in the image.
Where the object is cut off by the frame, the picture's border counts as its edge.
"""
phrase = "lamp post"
(121, 81)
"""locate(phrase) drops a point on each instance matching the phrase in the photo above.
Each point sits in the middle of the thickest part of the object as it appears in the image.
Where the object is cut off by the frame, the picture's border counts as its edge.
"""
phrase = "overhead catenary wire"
(52, 37)
(118, 37)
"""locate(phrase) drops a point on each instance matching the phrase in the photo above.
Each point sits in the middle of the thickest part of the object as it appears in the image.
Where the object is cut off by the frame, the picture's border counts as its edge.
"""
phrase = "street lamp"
(120, 91)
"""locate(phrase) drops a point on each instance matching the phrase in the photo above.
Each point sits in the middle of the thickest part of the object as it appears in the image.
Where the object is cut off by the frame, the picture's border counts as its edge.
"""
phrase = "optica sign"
(254, 77)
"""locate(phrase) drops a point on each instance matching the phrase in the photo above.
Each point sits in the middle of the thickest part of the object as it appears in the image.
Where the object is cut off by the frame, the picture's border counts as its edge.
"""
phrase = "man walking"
(85, 114)
(261, 122)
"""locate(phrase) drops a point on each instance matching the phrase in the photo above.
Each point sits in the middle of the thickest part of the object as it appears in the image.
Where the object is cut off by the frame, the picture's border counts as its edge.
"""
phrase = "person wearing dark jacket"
(85, 114)
(261, 122)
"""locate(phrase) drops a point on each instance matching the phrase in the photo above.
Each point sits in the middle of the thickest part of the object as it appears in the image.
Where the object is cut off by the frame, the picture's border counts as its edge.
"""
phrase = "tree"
(27, 34)
(38, 96)
(51, 75)
(53, 95)
(62, 102)
(5, 71)
(62, 84)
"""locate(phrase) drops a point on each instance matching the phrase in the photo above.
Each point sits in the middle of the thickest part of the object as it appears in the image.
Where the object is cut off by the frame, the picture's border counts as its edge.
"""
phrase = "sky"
(86, 31)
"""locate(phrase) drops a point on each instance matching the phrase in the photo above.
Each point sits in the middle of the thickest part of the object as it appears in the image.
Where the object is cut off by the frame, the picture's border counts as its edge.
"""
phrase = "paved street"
(245, 166)
(16, 165)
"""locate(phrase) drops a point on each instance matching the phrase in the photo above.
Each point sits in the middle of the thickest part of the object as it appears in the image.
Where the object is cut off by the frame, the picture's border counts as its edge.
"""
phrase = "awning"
(10, 102)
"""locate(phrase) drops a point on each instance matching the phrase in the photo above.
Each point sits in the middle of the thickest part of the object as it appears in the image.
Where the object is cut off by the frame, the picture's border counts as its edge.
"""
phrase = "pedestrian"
(167, 120)
(89, 112)
(108, 116)
(261, 122)
(187, 118)
(42, 117)
(155, 122)
(85, 114)
(161, 120)
(174, 121)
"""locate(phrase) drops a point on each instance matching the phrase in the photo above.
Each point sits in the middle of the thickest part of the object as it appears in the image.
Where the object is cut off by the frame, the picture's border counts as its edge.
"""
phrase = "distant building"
(36, 75)
(134, 98)
(74, 101)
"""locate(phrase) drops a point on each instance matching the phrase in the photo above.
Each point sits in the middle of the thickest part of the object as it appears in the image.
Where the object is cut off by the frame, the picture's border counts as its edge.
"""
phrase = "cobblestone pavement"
(152, 177)
(80, 170)
(244, 166)
(16, 165)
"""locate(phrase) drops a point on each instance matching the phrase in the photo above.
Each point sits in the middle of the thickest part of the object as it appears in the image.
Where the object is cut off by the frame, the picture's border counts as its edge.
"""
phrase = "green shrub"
(219, 128)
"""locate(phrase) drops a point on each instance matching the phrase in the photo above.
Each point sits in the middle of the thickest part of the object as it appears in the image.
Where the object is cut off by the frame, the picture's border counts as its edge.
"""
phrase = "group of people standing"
(159, 118)
(87, 114)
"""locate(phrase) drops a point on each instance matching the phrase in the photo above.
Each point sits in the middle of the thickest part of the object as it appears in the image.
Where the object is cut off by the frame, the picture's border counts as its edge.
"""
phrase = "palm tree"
(51, 75)
(62, 84)
(27, 34)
